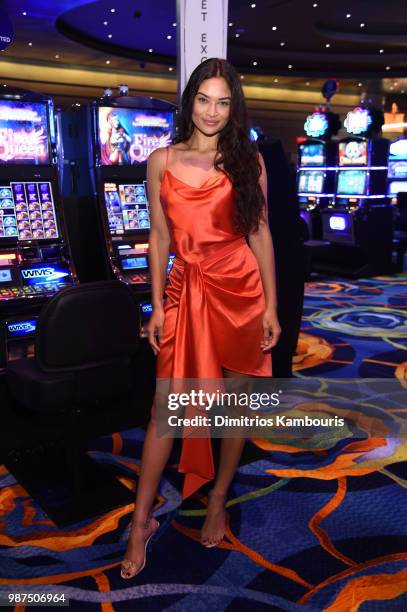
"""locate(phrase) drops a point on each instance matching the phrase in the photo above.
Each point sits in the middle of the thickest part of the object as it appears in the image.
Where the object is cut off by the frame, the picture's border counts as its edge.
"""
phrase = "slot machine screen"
(5, 276)
(351, 182)
(396, 187)
(127, 208)
(311, 181)
(312, 154)
(397, 169)
(134, 263)
(353, 153)
(127, 136)
(27, 211)
(24, 134)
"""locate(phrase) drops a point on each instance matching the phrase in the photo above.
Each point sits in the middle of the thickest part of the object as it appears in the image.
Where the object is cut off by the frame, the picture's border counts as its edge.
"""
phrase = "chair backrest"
(87, 326)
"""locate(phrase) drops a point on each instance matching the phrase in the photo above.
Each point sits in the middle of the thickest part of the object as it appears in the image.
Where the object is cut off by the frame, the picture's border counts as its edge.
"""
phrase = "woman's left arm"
(261, 244)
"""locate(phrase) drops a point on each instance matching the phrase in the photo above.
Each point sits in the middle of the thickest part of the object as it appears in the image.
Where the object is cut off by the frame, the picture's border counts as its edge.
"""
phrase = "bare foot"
(214, 527)
(135, 557)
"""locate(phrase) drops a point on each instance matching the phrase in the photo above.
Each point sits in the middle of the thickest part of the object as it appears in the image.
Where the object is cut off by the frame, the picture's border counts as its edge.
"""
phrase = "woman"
(207, 194)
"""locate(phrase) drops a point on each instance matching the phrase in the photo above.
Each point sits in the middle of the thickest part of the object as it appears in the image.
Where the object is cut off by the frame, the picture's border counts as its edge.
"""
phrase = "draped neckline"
(203, 186)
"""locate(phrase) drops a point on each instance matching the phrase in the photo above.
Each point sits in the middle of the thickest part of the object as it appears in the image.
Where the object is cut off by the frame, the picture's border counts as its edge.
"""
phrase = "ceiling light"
(113, 10)
(170, 68)
(57, 56)
(109, 35)
(107, 61)
(253, 5)
(30, 44)
(391, 88)
(348, 15)
(6, 86)
(307, 83)
(174, 24)
(169, 36)
(395, 84)
(25, 13)
(327, 45)
(290, 65)
(242, 76)
(105, 23)
(362, 25)
(381, 50)
(402, 91)
(237, 35)
(360, 84)
(275, 80)
(150, 50)
(254, 63)
(282, 44)
(230, 24)
(315, 5)
(274, 28)
(387, 67)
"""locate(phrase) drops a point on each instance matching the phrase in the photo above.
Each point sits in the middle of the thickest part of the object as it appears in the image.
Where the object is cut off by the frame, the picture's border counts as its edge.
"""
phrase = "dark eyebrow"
(200, 93)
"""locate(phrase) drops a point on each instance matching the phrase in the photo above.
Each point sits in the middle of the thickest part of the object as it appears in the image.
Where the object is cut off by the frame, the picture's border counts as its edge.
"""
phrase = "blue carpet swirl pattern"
(317, 526)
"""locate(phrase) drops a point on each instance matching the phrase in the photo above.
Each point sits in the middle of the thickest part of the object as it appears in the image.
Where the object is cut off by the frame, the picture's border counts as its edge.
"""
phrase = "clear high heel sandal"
(129, 568)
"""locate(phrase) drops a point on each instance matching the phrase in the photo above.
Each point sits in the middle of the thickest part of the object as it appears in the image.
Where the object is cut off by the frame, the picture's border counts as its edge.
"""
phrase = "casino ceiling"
(74, 48)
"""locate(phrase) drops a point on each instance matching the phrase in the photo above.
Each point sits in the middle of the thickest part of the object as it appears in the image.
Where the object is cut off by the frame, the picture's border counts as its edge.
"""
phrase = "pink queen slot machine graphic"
(128, 136)
(24, 135)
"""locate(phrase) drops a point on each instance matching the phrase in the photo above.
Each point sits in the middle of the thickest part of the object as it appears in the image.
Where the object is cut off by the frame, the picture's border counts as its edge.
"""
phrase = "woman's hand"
(154, 329)
(271, 329)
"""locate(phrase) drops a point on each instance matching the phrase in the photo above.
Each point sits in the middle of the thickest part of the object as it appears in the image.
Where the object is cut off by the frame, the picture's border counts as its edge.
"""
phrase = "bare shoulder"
(180, 146)
(157, 157)
(156, 162)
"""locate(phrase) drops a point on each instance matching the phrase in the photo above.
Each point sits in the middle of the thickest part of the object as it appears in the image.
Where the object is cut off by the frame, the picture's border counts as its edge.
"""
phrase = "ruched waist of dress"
(214, 253)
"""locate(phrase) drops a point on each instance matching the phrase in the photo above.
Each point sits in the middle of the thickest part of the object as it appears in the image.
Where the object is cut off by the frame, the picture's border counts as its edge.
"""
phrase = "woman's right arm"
(159, 246)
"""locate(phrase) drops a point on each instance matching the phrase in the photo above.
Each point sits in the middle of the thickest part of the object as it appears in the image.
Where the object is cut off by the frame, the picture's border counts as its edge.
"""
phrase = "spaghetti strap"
(166, 157)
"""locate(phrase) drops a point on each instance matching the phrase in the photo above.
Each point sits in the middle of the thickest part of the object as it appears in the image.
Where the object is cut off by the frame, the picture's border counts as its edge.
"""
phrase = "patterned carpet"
(316, 528)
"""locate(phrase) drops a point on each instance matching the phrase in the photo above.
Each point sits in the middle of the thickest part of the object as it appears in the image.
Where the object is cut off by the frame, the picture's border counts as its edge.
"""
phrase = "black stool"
(86, 343)
(314, 249)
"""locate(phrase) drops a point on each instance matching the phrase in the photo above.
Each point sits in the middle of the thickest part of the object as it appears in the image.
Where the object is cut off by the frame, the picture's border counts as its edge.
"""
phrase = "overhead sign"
(202, 34)
(6, 30)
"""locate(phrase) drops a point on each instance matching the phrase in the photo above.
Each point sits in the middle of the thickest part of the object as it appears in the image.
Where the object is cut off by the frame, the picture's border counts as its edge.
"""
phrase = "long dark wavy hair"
(237, 156)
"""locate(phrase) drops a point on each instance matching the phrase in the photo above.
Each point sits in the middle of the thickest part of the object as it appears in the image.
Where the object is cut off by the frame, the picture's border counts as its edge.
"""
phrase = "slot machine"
(316, 171)
(397, 173)
(35, 260)
(106, 148)
(359, 215)
(126, 131)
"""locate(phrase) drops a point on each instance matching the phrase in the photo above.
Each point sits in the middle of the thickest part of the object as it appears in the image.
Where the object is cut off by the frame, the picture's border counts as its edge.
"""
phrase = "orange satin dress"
(214, 301)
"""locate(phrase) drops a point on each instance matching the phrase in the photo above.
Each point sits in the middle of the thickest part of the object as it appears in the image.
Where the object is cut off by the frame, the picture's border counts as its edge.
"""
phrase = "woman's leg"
(231, 449)
(156, 451)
